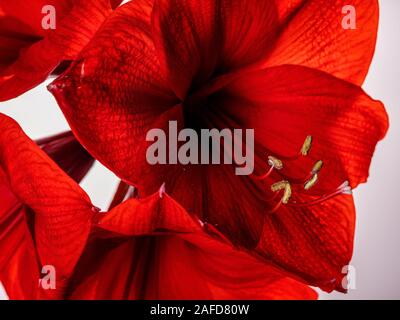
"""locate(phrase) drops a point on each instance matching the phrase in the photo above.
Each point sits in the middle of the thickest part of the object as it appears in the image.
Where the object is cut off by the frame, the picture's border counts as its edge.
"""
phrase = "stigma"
(284, 187)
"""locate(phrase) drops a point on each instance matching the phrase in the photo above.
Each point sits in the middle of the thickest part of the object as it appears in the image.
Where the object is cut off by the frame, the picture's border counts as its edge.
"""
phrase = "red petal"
(115, 3)
(62, 211)
(187, 41)
(143, 217)
(315, 243)
(68, 153)
(16, 247)
(157, 251)
(21, 25)
(113, 127)
(287, 8)
(314, 37)
(286, 104)
(21, 18)
(36, 62)
(198, 39)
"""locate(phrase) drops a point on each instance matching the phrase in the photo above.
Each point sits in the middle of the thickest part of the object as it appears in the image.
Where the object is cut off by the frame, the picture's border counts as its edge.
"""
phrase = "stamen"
(266, 175)
(287, 194)
(305, 149)
(279, 186)
(343, 189)
(317, 167)
(311, 183)
(275, 162)
(308, 182)
(276, 208)
(283, 185)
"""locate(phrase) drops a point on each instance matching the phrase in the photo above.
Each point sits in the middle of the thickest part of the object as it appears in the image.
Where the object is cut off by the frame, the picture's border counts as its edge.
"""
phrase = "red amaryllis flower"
(150, 248)
(285, 68)
(29, 53)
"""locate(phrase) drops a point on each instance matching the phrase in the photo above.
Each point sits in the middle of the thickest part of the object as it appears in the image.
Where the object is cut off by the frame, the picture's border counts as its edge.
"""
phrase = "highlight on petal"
(314, 37)
(34, 53)
(62, 212)
(153, 249)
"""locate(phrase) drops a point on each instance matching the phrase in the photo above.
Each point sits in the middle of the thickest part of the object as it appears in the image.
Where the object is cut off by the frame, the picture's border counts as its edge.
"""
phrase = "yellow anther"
(317, 167)
(275, 162)
(311, 183)
(283, 185)
(287, 194)
(305, 149)
(278, 186)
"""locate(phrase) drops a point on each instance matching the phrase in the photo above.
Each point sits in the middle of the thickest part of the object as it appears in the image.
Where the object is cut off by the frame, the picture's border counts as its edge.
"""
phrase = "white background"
(377, 253)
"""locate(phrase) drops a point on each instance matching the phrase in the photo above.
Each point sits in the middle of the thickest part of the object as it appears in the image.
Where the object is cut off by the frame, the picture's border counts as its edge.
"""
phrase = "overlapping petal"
(120, 62)
(68, 153)
(33, 53)
(49, 203)
(314, 242)
(312, 35)
(111, 100)
(286, 104)
(153, 249)
(197, 40)
(17, 247)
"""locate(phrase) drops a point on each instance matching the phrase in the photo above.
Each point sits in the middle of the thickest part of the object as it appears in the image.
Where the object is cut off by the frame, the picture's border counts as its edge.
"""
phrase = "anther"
(345, 188)
(342, 189)
(287, 194)
(311, 182)
(317, 167)
(283, 185)
(305, 149)
(275, 162)
(278, 186)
